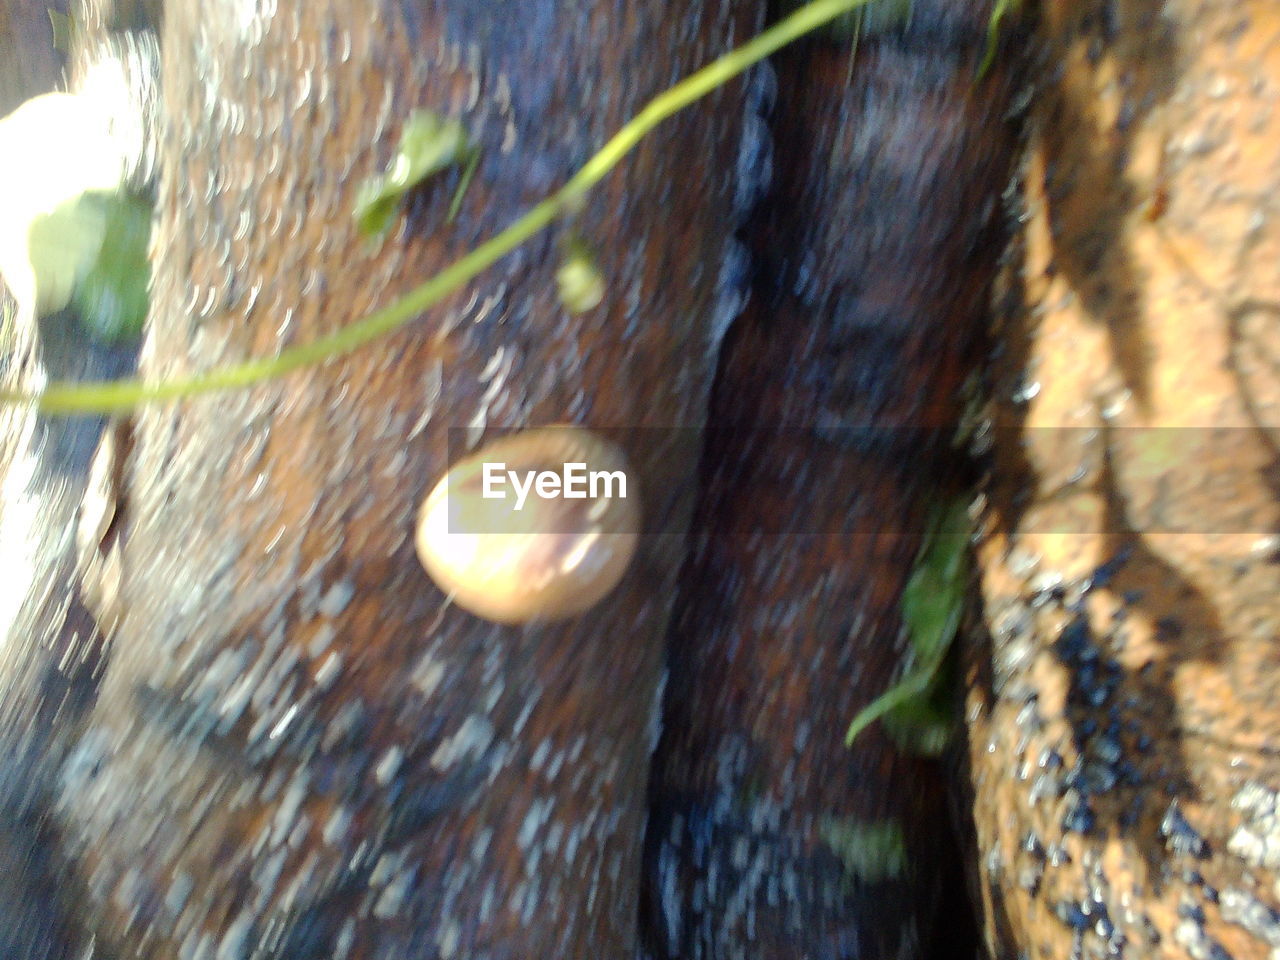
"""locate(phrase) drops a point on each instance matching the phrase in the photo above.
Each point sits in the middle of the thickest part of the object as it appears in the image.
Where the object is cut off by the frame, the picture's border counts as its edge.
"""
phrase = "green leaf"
(61, 248)
(924, 724)
(112, 297)
(64, 29)
(932, 602)
(932, 598)
(429, 145)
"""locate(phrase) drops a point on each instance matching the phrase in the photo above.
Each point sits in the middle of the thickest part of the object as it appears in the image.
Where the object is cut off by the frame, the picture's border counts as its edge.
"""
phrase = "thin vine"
(116, 396)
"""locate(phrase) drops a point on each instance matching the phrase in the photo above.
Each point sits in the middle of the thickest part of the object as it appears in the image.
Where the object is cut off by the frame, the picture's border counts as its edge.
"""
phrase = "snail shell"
(547, 559)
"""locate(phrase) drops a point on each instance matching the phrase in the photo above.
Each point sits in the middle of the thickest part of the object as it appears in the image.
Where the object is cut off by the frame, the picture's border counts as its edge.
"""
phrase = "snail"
(539, 525)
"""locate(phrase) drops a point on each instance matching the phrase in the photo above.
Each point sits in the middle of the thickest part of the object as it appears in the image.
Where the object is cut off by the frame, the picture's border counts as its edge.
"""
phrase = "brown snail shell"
(546, 559)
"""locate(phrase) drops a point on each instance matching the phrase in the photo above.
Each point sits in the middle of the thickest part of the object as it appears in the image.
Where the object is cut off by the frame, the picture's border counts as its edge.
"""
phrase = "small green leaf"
(913, 684)
(923, 725)
(429, 145)
(64, 29)
(112, 298)
(932, 598)
(932, 602)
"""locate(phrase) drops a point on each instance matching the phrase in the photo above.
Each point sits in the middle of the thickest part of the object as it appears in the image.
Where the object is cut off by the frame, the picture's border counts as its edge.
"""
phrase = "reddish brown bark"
(837, 400)
(298, 746)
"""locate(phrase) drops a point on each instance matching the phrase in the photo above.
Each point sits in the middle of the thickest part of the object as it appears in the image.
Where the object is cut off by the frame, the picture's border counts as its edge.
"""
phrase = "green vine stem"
(116, 396)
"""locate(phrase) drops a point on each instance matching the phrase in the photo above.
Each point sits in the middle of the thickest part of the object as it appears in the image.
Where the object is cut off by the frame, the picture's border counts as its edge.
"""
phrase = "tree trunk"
(239, 721)
(1123, 690)
(299, 747)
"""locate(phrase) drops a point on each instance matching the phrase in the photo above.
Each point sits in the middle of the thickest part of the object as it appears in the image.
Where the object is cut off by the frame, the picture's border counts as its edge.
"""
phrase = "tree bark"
(1123, 689)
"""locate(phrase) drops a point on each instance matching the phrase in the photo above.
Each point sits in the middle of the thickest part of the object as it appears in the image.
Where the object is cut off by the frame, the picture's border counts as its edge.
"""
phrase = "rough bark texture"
(1124, 706)
(49, 643)
(299, 749)
(290, 746)
(836, 404)
(31, 65)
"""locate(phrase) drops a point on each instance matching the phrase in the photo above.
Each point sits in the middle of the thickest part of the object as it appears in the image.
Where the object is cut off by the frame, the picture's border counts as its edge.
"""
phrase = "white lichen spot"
(320, 642)
(480, 846)
(1257, 840)
(329, 670)
(179, 890)
(346, 940)
(235, 942)
(19, 529)
(336, 598)
(472, 739)
(427, 675)
(388, 766)
(539, 813)
(540, 755)
(393, 894)
(336, 827)
(448, 937)
(287, 813)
